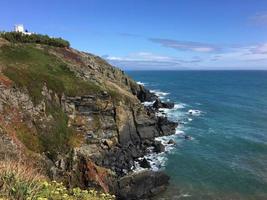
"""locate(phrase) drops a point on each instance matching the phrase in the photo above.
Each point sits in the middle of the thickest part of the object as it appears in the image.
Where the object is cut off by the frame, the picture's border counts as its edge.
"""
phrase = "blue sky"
(152, 34)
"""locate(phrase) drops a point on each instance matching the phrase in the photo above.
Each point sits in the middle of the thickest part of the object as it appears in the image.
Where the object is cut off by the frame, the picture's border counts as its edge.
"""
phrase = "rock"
(144, 95)
(94, 175)
(167, 127)
(108, 143)
(141, 185)
(111, 128)
(187, 137)
(159, 147)
(158, 104)
(171, 141)
(147, 132)
(144, 163)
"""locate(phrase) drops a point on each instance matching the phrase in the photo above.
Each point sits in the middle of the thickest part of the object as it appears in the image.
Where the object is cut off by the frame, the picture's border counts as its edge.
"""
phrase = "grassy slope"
(31, 68)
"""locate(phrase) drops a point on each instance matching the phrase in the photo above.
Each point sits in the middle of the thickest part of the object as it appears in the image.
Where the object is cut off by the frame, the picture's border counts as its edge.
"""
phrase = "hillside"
(78, 119)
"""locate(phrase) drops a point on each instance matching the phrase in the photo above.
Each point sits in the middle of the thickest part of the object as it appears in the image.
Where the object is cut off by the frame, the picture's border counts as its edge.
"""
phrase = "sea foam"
(194, 112)
(160, 94)
(158, 160)
(141, 83)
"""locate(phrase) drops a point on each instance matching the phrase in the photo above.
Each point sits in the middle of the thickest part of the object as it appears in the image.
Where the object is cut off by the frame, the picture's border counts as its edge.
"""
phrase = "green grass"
(32, 68)
(56, 138)
(30, 140)
(16, 37)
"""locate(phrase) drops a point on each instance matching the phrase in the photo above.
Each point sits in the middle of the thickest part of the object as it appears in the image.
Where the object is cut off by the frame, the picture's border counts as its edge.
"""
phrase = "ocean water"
(227, 156)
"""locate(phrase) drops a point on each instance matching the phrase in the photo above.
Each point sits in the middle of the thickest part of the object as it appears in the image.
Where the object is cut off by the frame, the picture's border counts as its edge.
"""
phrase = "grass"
(16, 37)
(20, 182)
(29, 139)
(33, 68)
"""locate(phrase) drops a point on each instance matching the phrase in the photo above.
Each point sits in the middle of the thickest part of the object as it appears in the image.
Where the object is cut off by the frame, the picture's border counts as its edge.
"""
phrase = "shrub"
(34, 38)
(20, 182)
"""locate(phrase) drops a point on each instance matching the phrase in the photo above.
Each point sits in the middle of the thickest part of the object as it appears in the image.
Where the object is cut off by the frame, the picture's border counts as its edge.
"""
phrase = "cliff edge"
(78, 118)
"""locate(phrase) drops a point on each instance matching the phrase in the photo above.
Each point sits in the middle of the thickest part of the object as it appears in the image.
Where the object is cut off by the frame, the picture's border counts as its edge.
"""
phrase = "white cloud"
(246, 53)
(259, 19)
(148, 60)
(238, 57)
(260, 49)
(186, 45)
(143, 56)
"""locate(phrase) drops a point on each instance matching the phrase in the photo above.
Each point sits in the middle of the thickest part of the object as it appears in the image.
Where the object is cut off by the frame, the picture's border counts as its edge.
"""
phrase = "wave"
(148, 103)
(160, 94)
(158, 161)
(141, 83)
(194, 112)
(179, 106)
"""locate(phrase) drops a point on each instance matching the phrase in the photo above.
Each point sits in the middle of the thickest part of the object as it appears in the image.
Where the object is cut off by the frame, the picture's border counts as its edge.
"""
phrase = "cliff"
(78, 118)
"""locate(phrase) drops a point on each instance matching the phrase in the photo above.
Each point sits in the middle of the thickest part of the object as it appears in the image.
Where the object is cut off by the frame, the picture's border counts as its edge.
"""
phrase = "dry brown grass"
(23, 171)
(18, 180)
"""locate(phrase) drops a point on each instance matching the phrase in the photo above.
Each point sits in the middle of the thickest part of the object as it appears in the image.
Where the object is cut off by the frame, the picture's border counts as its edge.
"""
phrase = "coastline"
(156, 161)
(148, 168)
(104, 124)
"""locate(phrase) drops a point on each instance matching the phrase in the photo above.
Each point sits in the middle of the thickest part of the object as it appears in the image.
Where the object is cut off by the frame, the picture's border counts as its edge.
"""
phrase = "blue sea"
(225, 113)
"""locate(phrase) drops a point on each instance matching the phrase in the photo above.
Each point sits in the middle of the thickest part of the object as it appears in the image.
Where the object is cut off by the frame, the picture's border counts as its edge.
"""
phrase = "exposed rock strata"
(109, 133)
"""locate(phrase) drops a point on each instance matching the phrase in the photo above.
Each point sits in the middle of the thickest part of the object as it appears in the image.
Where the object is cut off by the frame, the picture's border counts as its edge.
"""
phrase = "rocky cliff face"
(78, 118)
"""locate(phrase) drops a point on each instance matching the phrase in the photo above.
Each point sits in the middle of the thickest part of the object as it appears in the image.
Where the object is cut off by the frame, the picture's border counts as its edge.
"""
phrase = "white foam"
(158, 161)
(178, 106)
(165, 110)
(194, 112)
(186, 195)
(179, 132)
(141, 83)
(160, 94)
(148, 103)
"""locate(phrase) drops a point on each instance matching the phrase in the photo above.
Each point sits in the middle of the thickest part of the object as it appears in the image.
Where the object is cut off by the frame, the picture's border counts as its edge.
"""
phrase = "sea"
(225, 115)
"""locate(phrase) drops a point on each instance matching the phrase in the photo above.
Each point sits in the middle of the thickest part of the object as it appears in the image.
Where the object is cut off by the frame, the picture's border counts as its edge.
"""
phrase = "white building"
(20, 28)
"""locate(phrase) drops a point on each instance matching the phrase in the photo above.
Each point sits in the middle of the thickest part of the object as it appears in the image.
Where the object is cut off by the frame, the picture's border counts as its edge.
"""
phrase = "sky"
(152, 34)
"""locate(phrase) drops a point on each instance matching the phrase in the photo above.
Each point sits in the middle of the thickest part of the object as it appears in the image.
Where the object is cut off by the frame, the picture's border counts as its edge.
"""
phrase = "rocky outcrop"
(88, 140)
(159, 104)
(142, 184)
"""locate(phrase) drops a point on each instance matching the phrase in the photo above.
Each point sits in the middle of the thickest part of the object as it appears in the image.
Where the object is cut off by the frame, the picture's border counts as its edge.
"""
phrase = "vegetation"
(16, 37)
(18, 182)
(28, 66)
(32, 68)
(56, 138)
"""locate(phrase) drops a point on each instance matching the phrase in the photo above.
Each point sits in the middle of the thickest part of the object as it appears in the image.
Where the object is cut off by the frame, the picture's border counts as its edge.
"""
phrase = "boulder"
(158, 147)
(108, 143)
(158, 104)
(187, 137)
(141, 185)
(171, 141)
(144, 95)
(144, 163)
(167, 127)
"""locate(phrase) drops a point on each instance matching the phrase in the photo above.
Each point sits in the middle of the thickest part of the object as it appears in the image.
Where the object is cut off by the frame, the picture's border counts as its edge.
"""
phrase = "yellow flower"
(45, 183)
(65, 195)
(56, 192)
